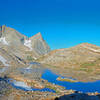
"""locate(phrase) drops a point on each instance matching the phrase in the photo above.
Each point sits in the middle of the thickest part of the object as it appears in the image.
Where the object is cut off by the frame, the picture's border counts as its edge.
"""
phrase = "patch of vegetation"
(53, 88)
(88, 64)
(83, 69)
(29, 58)
(87, 69)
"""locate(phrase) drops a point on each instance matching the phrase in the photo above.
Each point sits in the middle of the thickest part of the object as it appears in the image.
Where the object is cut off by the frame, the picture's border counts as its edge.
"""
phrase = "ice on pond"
(21, 84)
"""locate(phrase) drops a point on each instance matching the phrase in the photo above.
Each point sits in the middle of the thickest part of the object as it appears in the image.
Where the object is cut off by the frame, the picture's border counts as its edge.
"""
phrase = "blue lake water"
(51, 77)
(78, 86)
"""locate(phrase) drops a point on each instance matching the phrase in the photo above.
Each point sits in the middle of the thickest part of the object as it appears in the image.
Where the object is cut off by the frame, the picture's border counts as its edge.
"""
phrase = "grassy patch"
(88, 64)
(53, 88)
(29, 58)
(88, 67)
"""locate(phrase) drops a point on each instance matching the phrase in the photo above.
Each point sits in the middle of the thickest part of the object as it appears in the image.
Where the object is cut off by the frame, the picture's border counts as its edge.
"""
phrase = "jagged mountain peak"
(6, 31)
(37, 36)
(39, 45)
(2, 29)
(3, 26)
(10, 38)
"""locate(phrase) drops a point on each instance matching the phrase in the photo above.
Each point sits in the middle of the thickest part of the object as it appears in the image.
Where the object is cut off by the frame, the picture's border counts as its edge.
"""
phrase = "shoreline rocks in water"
(37, 95)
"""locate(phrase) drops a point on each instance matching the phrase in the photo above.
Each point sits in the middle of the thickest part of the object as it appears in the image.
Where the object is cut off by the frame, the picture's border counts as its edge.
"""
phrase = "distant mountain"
(21, 46)
(23, 49)
(72, 57)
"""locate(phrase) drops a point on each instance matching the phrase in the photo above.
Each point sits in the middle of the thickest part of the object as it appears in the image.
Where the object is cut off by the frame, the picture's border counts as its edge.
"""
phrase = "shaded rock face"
(39, 44)
(11, 36)
(5, 88)
(22, 46)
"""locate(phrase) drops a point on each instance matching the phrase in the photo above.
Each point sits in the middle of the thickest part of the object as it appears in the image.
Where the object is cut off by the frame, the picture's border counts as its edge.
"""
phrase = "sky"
(62, 23)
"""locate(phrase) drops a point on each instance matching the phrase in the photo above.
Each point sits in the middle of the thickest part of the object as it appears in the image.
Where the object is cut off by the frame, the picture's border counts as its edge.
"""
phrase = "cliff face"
(22, 46)
(39, 45)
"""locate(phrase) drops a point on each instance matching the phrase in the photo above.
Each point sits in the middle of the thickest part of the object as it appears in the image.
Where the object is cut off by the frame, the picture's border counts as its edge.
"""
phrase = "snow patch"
(35, 58)
(3, 60)
(28, 43)
(29, 67)
(3, 40)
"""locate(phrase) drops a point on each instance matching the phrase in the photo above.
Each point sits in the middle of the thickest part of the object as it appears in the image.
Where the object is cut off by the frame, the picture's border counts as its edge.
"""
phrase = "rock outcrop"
(21, 46)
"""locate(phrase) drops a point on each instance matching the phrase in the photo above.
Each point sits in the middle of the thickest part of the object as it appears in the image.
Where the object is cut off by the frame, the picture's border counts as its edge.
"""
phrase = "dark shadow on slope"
(5, 87)
(78, 96)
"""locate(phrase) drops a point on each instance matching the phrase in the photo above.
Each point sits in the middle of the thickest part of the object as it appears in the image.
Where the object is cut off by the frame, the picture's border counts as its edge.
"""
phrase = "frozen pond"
(22, 86)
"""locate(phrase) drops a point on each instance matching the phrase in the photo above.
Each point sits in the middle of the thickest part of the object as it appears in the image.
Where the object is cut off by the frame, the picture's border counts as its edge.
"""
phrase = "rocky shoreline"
(61, 93)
